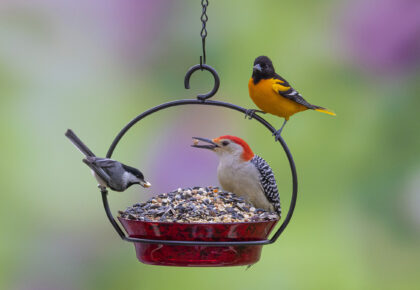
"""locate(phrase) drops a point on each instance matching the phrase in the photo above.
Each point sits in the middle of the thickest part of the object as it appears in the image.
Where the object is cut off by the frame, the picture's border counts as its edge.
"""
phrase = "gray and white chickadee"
(108, 172)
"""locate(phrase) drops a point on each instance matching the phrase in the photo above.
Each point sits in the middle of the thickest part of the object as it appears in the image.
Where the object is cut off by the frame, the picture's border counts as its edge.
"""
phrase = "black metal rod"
(202, 243)
(104, 193)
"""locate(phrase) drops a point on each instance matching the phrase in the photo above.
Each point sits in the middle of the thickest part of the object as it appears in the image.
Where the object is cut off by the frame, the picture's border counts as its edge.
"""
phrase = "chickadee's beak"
(257, 67)
(212, 145)
(145, 184)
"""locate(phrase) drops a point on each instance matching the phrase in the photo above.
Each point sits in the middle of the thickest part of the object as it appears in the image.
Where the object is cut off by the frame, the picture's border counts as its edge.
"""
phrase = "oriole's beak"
(145, 184)
(210, 146)
(257, 67)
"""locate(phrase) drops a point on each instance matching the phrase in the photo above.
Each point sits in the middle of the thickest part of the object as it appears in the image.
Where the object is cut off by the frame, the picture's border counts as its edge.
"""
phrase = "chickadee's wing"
(103, 162)
(98, 171)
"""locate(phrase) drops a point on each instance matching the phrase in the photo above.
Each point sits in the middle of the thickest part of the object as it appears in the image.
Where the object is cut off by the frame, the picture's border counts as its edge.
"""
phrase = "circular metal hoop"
(202, 243)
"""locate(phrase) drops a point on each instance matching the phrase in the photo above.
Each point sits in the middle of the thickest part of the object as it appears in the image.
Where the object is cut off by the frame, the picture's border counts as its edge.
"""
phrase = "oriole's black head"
(263, 69)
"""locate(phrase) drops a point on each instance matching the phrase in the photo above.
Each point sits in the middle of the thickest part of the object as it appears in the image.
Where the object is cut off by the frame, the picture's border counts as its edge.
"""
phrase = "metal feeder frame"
(202, 99)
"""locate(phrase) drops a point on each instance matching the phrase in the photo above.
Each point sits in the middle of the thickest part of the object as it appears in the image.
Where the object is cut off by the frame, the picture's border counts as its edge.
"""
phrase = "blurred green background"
(94, 65)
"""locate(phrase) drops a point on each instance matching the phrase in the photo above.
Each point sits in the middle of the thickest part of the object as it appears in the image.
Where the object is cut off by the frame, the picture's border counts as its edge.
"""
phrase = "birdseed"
(197, 205)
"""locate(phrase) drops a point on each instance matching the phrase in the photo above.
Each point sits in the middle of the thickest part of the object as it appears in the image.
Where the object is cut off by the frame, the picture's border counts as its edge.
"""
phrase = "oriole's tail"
(323, 110)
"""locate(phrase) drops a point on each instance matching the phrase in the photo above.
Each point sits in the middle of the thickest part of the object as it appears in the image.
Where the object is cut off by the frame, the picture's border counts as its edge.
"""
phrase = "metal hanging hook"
(191, 70)
(203, 65)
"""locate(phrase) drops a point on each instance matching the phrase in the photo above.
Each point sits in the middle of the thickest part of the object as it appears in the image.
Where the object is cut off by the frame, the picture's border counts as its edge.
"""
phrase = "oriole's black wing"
(284, 89)
(268, 182)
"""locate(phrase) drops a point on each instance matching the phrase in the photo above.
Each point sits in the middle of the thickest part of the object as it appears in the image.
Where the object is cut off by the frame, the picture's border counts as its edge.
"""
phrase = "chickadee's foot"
(251, 112)
(101, 187)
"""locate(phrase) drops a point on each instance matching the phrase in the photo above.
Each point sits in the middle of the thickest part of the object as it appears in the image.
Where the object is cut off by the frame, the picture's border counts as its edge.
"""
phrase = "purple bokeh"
(384, 35)
(175, 163)
(128, 29)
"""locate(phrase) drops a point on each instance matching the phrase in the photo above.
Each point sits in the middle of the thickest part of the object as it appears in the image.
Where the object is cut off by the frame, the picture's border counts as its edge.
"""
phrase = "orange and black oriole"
(273, 94)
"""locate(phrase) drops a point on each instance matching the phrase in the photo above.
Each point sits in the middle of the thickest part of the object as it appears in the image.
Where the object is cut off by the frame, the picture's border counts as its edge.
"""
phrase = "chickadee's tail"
(78, 143)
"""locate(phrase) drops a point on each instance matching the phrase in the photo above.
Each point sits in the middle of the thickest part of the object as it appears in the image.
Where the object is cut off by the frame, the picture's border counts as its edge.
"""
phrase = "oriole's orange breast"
(270, 101)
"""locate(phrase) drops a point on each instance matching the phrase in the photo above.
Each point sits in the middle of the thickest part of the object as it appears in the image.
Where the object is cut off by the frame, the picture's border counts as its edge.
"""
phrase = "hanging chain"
(203, 33)
(203, 66)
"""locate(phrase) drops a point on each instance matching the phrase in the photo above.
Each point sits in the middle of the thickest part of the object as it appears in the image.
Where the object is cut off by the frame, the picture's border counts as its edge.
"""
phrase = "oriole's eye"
(225, 143)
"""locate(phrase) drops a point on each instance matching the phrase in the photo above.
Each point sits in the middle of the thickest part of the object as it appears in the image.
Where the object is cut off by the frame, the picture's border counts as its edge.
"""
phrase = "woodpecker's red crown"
(247, 153)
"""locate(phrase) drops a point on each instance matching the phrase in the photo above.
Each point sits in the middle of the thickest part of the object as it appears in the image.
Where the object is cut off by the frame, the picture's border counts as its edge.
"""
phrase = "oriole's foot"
(277, 134)
(251, 112)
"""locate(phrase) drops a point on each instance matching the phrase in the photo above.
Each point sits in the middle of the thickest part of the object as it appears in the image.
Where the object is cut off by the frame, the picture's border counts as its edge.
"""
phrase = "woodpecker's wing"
(284, 89)
(268, 182)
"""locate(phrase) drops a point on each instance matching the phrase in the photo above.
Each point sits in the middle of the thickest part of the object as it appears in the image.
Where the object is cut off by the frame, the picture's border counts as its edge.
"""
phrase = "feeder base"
(198, 256)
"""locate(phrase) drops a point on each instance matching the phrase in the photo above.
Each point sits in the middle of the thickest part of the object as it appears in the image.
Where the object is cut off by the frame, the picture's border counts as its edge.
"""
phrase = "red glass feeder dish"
(198, 255)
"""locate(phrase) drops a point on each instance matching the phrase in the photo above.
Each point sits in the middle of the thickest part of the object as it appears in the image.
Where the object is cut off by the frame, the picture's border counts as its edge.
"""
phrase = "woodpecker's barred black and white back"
(268, 182)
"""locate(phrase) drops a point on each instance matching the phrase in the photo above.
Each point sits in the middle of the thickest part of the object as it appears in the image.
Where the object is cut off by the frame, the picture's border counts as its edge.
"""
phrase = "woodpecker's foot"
(251, 112)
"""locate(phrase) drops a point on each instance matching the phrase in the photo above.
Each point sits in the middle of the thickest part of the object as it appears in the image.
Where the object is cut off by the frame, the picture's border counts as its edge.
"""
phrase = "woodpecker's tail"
(78, 143)
(323, 110)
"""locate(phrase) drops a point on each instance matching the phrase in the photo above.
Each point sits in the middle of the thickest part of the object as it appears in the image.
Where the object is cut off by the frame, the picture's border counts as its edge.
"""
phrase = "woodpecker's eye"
(225, 143)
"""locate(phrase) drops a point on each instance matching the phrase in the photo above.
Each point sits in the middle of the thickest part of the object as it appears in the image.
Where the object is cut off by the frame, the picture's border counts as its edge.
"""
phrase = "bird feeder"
(200, 244)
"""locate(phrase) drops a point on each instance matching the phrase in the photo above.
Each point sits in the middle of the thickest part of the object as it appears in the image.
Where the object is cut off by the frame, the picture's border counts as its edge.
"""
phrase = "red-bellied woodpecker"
(243, 173)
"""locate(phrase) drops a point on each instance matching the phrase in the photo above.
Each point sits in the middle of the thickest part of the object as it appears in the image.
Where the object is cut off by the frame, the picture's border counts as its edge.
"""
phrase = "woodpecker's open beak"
(210, 146)
(257, 67)
(145, 184)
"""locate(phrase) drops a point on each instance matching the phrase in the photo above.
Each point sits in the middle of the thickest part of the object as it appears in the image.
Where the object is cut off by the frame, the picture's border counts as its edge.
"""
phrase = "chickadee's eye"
(225, 143)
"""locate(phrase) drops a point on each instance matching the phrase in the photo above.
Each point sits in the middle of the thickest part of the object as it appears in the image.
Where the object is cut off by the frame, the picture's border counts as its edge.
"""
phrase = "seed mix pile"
(197, 205)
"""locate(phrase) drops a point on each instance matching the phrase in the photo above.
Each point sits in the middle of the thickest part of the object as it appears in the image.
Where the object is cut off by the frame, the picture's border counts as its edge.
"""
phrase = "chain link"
(204, 18)
(203, 33)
